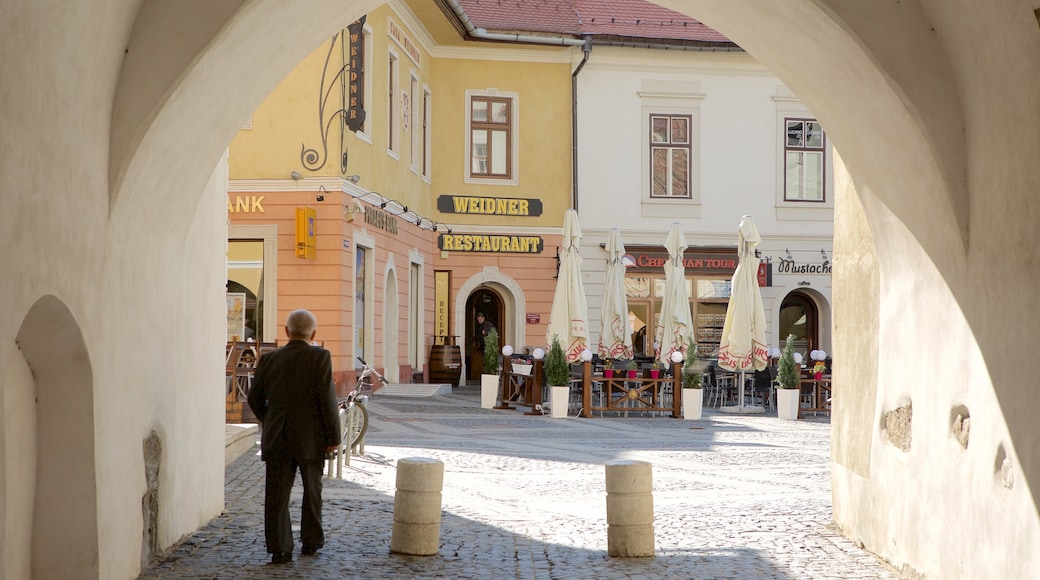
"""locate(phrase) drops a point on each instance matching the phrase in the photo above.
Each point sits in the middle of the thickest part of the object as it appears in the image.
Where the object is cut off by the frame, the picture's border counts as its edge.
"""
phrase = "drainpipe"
(586, 48)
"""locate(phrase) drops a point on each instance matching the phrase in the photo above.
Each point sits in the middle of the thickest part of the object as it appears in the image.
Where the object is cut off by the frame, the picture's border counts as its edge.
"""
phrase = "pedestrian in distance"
(294, 399)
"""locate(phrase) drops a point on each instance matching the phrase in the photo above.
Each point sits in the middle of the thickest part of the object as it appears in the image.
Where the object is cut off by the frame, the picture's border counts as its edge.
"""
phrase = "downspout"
(586, 49)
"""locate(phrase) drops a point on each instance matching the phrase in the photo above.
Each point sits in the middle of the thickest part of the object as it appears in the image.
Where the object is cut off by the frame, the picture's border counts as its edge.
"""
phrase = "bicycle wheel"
(356, 424)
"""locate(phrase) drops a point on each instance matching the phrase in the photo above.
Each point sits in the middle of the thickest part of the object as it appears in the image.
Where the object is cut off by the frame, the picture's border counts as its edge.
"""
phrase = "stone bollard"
(417, 507)
(630, 509)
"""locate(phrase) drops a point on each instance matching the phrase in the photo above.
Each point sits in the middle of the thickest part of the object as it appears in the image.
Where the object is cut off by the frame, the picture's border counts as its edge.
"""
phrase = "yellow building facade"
(446, 200)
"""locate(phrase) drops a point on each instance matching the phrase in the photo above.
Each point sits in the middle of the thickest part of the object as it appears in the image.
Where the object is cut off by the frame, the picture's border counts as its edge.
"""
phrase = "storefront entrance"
(800, 317)
(489, 303)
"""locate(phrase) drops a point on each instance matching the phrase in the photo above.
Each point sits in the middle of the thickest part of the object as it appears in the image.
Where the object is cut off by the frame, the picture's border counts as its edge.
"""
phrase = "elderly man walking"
(294, 398)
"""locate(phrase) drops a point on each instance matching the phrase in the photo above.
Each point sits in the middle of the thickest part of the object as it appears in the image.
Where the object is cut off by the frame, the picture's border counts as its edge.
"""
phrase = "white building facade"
(702, 138)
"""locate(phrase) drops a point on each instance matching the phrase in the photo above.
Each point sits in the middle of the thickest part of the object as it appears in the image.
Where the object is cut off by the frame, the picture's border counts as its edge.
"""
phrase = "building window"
(392, 121)
(491, 137)
(412, 114)
(670, 154)
(427, 106)
(803, 160)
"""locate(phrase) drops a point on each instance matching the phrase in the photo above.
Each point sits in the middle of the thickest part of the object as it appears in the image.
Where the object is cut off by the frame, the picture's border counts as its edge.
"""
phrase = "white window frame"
(670, 98)
(789, 107)
(427, 134)
(514, 136)
(365, 133)
(393, 97)
(414, 129)
(822, 151)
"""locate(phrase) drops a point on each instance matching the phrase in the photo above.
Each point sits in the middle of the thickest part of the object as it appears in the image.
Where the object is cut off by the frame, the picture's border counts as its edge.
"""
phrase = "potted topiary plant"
(632, 368)
(788, 377)
(655, 370)
(692, 397)
(608, 368)
(557, 373)
(489, 377)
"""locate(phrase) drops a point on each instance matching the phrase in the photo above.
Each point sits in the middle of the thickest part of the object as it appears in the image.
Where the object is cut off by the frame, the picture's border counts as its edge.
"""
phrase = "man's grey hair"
(301, 324)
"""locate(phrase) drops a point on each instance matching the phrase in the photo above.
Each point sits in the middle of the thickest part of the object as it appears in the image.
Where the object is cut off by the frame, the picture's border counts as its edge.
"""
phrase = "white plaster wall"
(929, 102)
(739, 107)
(149, 93)
(18, 468)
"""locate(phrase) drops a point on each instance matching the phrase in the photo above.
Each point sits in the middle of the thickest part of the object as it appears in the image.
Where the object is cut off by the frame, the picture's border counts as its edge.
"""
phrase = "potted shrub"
(489, 378)
(692, 396)
(788, 377)
(632, 368)
(655, 371)
(558, 373)
(608, 369)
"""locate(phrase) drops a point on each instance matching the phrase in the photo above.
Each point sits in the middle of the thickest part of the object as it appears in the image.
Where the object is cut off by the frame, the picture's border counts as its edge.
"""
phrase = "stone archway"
(391, 321)
(55, 490)
(513, 301)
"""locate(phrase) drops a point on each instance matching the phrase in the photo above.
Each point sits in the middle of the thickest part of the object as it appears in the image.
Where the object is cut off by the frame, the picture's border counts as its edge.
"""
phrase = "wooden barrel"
(445, 364)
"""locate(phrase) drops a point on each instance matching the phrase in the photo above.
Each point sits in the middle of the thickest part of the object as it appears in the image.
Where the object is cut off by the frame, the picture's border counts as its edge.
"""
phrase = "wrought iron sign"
(352, 111)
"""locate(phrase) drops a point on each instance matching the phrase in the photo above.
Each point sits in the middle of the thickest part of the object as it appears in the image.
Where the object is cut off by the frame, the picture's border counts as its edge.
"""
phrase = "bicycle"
(354, 415)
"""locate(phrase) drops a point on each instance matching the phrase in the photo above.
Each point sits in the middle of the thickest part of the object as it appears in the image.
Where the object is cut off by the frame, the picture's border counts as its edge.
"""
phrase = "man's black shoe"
(281, 557)
(309, 550)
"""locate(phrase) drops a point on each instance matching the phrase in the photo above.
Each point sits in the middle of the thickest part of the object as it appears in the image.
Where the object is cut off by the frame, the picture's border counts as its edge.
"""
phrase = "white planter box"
(558, 401)
(787, 401)
(522, 370)
(488, 391)
(692, 403)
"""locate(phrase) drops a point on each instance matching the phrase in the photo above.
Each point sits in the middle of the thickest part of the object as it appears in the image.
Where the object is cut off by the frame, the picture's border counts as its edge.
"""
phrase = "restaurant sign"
(792, 267)
(355, 78)
(489, 205)
(380, 219)
(497, 244)
(694, 262)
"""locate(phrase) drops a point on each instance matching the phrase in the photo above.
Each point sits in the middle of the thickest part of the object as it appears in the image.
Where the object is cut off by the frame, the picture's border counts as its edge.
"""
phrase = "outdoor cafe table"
(819, 394)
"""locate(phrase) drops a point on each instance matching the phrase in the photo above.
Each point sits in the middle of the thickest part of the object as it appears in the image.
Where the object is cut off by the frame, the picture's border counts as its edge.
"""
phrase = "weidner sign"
(490, 243)
(489, 205)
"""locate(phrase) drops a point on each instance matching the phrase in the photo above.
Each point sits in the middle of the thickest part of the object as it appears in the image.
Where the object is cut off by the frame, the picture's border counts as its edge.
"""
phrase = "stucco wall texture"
(116, 114)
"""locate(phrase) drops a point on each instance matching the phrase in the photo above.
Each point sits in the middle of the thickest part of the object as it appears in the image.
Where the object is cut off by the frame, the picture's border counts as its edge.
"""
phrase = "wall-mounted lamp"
(350, 209)
(321, 193)
(295, 175)
(789, 256)
(353, 178)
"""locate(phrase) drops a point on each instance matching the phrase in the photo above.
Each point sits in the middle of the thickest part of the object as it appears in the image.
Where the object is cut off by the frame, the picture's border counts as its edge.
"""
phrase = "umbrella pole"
(740, 402)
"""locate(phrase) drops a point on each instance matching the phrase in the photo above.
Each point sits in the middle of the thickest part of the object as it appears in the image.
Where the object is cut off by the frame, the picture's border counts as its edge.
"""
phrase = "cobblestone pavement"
(524, 497)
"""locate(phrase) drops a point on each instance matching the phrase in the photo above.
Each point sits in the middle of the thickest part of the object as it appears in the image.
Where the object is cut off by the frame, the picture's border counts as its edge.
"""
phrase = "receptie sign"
(534, 318)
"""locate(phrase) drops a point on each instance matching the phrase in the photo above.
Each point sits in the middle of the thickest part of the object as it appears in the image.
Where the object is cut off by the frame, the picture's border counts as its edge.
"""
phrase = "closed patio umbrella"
(570, 311)
(743, 345)
(675, 325)
(615, 338)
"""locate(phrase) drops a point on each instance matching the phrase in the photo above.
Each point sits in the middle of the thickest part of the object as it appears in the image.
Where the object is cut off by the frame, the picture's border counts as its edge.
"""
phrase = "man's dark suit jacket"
(294, 398)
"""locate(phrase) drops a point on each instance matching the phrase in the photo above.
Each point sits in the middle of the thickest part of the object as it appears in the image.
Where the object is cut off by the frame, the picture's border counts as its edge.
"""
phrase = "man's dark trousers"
(281, 471)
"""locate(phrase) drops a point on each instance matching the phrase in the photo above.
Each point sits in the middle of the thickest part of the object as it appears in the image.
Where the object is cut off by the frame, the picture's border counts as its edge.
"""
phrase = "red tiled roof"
(622, 18)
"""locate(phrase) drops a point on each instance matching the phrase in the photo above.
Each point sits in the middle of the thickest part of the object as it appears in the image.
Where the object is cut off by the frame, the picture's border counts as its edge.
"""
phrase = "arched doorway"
(391, 306)
(800, 317)
(489, 303)
(55, 485)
